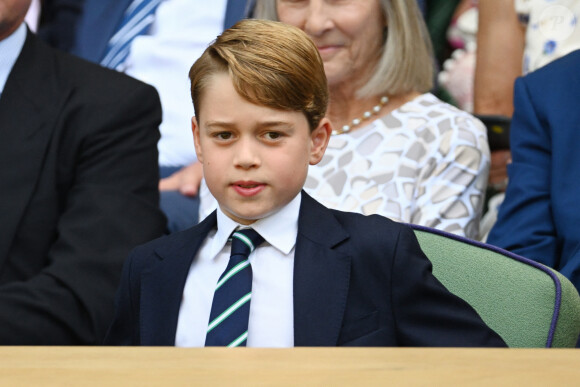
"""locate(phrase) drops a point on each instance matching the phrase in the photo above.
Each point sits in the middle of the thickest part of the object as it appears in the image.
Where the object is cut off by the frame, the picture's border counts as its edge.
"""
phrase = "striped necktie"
(136, 21)
(230, 309)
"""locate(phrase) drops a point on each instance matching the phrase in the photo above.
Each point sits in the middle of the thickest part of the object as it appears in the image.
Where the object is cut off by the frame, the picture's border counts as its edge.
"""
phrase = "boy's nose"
(246, 155)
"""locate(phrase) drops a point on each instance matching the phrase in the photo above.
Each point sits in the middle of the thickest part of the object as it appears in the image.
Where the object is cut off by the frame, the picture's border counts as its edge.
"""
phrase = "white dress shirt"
(33, 15)
(10, 48)
(271, 321)
(182, 30)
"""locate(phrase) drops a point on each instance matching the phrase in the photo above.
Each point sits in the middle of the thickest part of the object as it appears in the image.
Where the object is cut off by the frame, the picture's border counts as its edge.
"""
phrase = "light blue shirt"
(163, 57)
(271, 322)
(10, 48)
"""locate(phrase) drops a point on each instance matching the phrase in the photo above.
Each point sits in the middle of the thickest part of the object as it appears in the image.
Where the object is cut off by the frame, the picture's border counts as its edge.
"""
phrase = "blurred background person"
(397, 150)
(494, 42)
(539, 217)
(79, 173)
(514, 38)
(156, 41)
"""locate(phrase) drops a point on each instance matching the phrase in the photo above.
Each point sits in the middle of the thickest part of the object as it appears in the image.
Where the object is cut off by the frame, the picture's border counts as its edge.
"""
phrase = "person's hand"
(498, 171)
(186, 180)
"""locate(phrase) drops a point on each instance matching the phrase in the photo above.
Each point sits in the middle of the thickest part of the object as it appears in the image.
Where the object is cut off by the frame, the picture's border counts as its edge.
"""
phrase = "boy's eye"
(273, 135)
(223, 135)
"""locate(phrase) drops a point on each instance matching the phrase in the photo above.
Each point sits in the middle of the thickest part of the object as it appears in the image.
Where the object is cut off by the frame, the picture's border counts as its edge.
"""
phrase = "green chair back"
(525, 302)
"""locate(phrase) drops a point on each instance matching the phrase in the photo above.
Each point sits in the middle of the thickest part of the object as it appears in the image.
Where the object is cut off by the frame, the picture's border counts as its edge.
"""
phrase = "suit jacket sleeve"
(539, 218)
(524, 223)
(124, 328)
(107, 182)
(426, 313)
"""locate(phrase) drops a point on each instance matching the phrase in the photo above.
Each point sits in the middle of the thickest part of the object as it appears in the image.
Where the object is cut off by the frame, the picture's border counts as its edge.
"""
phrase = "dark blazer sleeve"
(425, 312)
(124, 328)
(364, 281)
(95, 199)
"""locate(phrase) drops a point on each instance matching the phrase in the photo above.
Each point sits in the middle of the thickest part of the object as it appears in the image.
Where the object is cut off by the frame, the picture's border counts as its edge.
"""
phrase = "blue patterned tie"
(136, 21)
(230, 309)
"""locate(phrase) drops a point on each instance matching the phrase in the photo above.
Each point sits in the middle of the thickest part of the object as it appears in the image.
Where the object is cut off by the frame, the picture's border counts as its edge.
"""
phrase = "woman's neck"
(344, 107)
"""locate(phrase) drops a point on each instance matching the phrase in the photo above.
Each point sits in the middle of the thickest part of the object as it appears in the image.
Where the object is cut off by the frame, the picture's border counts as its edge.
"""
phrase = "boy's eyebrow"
(260, 125)
(219, 124)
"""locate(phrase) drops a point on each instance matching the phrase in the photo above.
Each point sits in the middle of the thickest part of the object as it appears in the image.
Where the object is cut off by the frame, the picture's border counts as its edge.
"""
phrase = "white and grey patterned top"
(426, 162)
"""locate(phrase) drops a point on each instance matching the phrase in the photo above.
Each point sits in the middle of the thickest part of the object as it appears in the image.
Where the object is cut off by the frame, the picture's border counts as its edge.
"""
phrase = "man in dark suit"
(321, 277)
(78, 166)
(539, 218)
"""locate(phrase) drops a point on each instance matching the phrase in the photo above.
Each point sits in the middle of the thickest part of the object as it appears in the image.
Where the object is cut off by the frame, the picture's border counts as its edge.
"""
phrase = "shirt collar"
(279, 229)
(10, 48)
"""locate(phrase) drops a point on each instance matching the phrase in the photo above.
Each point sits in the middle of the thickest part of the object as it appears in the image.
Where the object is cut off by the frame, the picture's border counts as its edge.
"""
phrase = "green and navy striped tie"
(230, 309)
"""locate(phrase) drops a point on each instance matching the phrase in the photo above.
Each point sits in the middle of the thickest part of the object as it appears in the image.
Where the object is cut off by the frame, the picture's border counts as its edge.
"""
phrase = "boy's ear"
(320, 137)
(196, 140)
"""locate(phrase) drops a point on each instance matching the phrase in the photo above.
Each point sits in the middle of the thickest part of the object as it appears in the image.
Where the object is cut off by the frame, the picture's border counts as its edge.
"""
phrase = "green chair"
(526, 303)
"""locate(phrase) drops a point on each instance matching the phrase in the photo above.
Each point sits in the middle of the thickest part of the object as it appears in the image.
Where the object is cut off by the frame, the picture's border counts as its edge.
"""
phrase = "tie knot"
(245, 241)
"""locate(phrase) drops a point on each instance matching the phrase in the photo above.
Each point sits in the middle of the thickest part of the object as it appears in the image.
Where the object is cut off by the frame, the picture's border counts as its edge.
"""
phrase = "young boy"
(322, 277)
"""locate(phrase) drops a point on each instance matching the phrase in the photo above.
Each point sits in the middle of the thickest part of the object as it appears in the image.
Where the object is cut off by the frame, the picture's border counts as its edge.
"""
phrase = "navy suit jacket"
(358, 281)
(101, 19)
(540, 216)
(78, 191)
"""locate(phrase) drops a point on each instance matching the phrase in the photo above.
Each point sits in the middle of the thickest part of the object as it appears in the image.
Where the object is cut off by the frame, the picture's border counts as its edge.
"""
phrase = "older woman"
(396, 149)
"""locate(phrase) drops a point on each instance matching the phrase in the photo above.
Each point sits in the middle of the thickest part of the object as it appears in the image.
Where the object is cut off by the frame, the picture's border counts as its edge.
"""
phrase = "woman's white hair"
(406, 63)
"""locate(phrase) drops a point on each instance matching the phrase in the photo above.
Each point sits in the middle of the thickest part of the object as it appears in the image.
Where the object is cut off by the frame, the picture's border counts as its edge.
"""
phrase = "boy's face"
(255, 158)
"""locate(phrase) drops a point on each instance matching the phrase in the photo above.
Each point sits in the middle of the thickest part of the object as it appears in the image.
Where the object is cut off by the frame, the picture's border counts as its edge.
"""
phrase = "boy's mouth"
(248, 188)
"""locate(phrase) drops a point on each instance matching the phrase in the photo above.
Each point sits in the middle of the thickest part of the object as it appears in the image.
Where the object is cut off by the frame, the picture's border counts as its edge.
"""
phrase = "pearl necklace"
(366, 115)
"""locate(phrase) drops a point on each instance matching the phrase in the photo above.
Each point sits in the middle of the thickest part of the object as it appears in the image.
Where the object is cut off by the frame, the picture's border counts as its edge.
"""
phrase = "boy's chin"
(247, 218)
(244, 218)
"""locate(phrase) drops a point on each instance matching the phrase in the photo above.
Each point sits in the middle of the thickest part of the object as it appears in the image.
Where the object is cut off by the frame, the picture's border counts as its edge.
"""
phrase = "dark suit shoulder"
(329, 226)
(97, 82)
(355, 219)
(100, 82)
(551, 91)
(369, 227)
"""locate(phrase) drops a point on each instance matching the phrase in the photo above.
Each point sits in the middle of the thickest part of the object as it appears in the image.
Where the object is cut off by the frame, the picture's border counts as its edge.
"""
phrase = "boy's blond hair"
(270, 63)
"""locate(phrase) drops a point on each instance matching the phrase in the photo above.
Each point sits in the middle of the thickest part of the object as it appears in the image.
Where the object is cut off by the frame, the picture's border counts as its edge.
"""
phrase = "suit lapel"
(30, 104)
(321, 276)
(162, 286)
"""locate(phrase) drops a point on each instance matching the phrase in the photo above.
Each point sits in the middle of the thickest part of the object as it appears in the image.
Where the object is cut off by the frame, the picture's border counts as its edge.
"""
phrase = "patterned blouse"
(426, 163)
